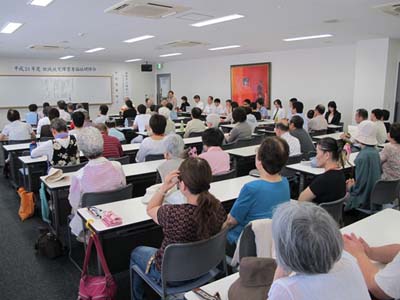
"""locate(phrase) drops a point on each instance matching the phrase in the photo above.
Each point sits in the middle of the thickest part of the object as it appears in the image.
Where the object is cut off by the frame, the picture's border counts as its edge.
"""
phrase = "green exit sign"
(159, 66)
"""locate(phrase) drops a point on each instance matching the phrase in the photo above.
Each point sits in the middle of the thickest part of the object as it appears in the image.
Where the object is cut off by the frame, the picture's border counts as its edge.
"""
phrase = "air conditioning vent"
(150, 10)
(181, 44)
(392, 9)
(46, 47)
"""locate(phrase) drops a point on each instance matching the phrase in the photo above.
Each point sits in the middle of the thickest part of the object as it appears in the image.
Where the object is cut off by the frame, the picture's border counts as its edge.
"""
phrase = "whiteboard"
(20, 91)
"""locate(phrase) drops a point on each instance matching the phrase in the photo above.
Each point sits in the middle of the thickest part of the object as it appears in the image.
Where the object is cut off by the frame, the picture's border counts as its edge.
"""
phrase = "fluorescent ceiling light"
(132, 60)
(301, 38)
(217, 20)
(11, 27)
(225, 47)
(40, 2)
(170, 54)
(139, 38)
(67, 57)
(94, 50)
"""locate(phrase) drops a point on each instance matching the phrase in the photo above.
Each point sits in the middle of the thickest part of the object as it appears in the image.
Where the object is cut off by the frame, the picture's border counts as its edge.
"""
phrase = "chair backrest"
(151, 157)
(318, 132)
(257, 115)
(46, 138)
(225, 175)
(194, 134)
(203, 256)
(228, 146)
(71, 168)
(294, 159)
(247, 245)
(308, 155)
(384, 192)
(13, 142)
(244, 142)
(124, 160)
(335, 209)
(97, 198)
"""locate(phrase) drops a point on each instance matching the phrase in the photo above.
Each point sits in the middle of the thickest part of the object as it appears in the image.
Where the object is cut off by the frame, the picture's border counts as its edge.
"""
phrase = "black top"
(130, 113)
(329, 186)
(184, 105)
(336, 117)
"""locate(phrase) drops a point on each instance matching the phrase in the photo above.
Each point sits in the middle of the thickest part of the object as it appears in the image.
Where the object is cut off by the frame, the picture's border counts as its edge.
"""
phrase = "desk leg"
(301, 184)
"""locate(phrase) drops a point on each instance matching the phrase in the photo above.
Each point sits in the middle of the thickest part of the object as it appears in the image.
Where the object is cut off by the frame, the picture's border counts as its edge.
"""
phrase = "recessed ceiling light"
(301, 38)
(40, 2)
(67, 57)
(224, 47)
(217, 20)
(170, 54)
(139, 38)
(94, 50)
(132, 60)
(11, 27)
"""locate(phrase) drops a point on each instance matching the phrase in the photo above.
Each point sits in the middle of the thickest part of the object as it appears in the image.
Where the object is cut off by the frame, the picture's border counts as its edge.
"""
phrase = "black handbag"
(48, 245)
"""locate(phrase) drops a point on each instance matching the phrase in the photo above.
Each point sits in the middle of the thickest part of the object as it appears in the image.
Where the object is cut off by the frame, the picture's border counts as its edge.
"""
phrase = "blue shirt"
(31, 118)
(264, 112)
(257, 200)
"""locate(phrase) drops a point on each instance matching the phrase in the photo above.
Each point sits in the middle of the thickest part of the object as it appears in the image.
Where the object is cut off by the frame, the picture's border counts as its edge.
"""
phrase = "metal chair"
(46, 138)
(294, 159)
(384, 192)
(244, 142)
(151, 157)
(318, 132)
(195, 134)
(224, 175)
(247, 245)
(204, 257)
(124, 160)
(335, 209)
(71, 168)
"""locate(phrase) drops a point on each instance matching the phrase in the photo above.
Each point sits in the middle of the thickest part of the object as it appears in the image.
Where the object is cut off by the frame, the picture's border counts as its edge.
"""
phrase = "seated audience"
(16, 130)
(289, 114)
(210, 107)
(129, 113)
(259, 198)
(368, 167)
(185, 105)
(98, 175)
(45, 105)
(170, 127)
(297, 110)
(318, 122)
(242, 130)
(112, 147)
(154, 144)
(45, 128)
(297, 130)
(198, 102)
(61, 109)
(174, 152)
(360, 115)
(332, 116)
(390, 155)
(32, 117)
(250, 118)
(149, 103)
(310, 114)
(309, 246)
(377, 118)
(279, 112)
(218, 108)
(218, 159)
(141, 122)
(212, 120)
(102, 118)
(112, 131)
(173, 113)
(261, 108)
(200, 218)
(70, 108)
(382, 283)
(331, 185)
(247, 103)
(63, 150)
(195, 125)
(282, 130)
(386, 116)
(228, 110)
(44, 120)
(78, 118)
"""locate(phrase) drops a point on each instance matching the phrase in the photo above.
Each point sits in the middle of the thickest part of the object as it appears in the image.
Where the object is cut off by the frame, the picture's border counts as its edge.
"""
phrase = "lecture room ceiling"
(79, 25)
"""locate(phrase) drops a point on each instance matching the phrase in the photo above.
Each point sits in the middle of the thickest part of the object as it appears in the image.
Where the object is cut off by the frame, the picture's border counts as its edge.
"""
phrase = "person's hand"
(170, 181)
(366, 247)
(344, 136)
(353, 245)
(349, 183)
(280, 273)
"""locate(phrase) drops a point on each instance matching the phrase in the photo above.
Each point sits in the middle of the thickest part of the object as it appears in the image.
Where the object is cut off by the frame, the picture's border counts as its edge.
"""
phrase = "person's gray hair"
(58, 125)
(164, 111)
(90, 142)
(307, 239)
(213, 119)
(174, 145)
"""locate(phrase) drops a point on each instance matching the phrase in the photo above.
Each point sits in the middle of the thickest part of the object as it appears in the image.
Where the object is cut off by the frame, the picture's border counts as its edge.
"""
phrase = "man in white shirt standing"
(16, 130)
(210, 108)
(63, 114)
(318, 122)
(377, 118)
(282, 130)
(198, 102)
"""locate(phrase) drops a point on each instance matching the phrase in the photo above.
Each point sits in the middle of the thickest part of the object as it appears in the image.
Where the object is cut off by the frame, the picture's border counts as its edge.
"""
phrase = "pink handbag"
(96, 287)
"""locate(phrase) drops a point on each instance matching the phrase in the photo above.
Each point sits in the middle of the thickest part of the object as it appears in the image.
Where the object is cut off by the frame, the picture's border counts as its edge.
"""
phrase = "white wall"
(391, 75)
(313, 76)
(138, 84)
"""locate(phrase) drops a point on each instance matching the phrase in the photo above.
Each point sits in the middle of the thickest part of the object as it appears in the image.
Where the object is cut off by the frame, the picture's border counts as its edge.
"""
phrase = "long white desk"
(377, 230)
(244, 151)
(260, 123)
(335, 135)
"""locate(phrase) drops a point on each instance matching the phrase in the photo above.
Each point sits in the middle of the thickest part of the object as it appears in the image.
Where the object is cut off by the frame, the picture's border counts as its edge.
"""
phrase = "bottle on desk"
(182, 128)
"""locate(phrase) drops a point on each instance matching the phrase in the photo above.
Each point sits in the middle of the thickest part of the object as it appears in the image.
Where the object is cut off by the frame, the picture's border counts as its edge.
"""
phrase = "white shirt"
(150, 146)
(209, 109)
(17, 131)
(294, 143)
(318, 123)
(64, 115)
(46, 148)
(381, 134)
(200, 105)
(101, 119)
(344, 282)
(388, 278)
(141, 121)
(278, 114)
(43, 121)
(219, 110)
(252, 121)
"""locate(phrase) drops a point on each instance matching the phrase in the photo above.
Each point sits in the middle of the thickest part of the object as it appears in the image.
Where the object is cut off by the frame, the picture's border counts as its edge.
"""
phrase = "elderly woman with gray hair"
(174, 152)
(309, 245)
(98, 175)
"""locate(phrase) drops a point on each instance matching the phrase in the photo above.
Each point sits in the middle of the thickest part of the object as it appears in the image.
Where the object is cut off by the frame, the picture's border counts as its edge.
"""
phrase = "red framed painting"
(251, 81)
